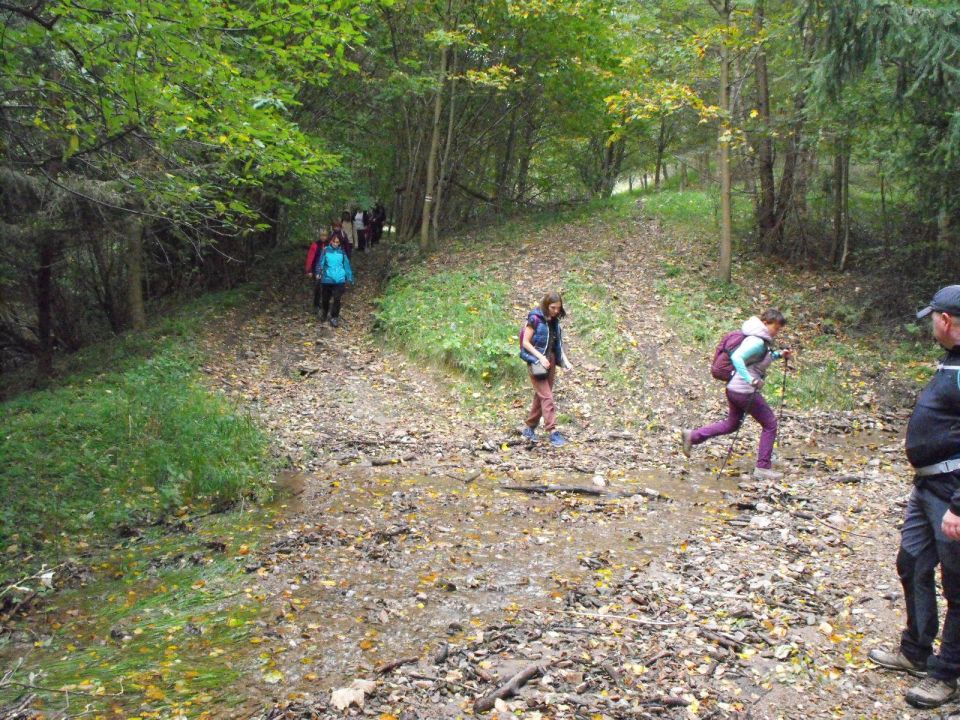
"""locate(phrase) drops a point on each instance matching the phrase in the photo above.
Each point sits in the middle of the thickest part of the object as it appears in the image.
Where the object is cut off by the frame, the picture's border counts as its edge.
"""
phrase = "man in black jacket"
(931, 526)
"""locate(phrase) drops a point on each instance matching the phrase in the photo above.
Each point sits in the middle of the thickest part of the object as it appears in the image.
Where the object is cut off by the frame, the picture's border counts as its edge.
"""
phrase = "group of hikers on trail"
(930, 534)
(328, 258)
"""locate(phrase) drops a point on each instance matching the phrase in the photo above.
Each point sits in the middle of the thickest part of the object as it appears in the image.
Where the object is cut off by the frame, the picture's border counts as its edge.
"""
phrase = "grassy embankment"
(476, 337)
(102, 475)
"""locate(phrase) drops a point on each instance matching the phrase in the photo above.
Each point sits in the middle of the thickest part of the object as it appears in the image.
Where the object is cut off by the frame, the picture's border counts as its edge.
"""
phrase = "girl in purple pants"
(750, 361)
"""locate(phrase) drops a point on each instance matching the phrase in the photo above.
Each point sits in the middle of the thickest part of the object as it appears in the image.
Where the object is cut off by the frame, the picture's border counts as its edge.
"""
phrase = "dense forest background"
(148, 149)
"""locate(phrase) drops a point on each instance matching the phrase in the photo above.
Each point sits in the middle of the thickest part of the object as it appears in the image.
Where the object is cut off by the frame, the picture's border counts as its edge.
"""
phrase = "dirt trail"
(336, 394)
(675, 595)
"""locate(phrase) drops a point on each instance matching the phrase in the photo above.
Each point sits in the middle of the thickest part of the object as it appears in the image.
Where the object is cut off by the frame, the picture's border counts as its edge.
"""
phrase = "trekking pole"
(783, 393)
(783, 390)
(733, 442)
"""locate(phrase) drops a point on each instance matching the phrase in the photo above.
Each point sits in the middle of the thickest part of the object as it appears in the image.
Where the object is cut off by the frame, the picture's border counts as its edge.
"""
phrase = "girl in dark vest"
(541, 346)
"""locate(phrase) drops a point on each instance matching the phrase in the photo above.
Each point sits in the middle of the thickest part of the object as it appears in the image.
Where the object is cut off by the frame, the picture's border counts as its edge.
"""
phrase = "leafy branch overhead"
(180, 109)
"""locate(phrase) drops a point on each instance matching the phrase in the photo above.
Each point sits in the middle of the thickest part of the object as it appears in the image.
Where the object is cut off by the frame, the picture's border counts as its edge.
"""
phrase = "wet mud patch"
(372, 568)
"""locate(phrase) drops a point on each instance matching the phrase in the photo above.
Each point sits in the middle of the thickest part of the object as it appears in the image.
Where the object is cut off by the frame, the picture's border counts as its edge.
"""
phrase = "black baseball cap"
(946, 300)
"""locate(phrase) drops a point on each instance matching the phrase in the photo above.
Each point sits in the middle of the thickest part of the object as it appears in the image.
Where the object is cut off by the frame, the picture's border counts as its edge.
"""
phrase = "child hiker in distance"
(541, 347)
(750, 362)
(332, 271)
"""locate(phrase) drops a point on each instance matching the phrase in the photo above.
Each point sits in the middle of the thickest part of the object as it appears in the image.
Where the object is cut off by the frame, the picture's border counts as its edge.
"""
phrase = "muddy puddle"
(370, 568)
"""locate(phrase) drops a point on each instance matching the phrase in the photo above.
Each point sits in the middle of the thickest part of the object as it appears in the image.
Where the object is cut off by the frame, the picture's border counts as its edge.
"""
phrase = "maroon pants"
(543, 405)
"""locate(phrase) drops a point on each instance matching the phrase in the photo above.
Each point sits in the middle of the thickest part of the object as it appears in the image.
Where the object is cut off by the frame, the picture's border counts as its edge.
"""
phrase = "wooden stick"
(378, 462)
(624, 618)
(543, 489)
(387, 667)
(508, 689)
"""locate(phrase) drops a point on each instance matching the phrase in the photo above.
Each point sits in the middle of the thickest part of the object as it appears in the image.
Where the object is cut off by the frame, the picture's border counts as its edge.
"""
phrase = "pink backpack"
(722, 366)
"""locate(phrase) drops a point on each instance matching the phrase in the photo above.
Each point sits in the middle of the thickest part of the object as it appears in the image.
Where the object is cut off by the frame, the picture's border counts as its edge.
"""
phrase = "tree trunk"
(523, 172)
(945, 226)
(101, 276)
(411, 190)
(134, 230)
(506, 161)
(432, 156)
(44, 279)
(445, 158)
(661, 144)
(766, 200)
(846, 209)
(837, 203)
(884, 222)
(724, 270)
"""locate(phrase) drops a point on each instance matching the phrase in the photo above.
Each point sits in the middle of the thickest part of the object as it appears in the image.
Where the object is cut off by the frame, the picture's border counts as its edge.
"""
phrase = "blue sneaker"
(556, 439)
(529, 433)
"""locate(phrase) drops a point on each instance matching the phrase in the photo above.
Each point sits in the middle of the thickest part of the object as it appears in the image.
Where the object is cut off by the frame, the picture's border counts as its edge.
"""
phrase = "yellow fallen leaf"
(154, 693)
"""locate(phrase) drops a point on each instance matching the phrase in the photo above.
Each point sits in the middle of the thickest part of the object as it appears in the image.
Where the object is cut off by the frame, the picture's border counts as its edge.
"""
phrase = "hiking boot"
(335, 322)
(897, 661)
(766, 474)
(686, 442)
(529, 433)
(931, 692)
(556, 439)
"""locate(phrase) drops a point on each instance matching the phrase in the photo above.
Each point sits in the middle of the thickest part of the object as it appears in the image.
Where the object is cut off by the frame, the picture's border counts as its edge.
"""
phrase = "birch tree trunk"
(432, 156)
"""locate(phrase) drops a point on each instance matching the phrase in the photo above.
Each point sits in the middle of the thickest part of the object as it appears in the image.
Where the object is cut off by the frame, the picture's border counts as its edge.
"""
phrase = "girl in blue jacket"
(332, 272)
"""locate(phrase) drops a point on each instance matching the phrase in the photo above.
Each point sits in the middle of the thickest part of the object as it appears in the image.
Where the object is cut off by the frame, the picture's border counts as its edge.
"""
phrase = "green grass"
(124, 447)
(130, 437)
(159, 630)
(696, 211)
(457, 320)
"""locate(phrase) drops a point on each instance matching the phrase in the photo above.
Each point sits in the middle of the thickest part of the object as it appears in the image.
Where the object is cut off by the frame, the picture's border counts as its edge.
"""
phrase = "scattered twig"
(508, 689)
(390, 666)
(543, 489)
(847, 532)
(721, 639)
(431, 678)
(623, 618)
(39, 688)
(376, 462)
(16, 585)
